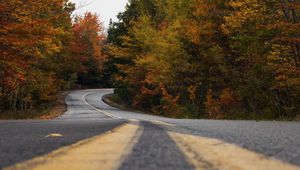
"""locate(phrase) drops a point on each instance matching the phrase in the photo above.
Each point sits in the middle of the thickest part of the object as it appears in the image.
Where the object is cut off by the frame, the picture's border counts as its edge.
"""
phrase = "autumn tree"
(87, 49)
(31, 32)
(264, 39)
(208, 58)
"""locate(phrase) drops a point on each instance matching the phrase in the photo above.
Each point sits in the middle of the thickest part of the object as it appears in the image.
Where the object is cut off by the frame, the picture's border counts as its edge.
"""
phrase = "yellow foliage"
(192, 92)
(243, 11)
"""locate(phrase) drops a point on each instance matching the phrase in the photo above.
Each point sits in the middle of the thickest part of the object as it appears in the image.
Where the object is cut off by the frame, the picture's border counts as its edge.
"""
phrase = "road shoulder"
(45, 111)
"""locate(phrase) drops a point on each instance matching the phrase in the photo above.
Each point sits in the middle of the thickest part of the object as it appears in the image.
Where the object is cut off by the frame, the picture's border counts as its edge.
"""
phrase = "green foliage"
(213, 59)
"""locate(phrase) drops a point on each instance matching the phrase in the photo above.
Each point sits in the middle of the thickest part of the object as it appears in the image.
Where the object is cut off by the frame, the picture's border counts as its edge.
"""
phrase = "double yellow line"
(108, 151)
(96, 109)
(102, 152)
(206, 153)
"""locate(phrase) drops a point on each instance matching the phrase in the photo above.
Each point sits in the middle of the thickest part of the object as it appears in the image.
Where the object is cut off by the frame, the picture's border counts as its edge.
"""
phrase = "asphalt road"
(88, 116)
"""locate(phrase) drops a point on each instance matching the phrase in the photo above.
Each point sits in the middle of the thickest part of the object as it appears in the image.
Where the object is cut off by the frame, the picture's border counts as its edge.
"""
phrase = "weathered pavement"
(109, 138)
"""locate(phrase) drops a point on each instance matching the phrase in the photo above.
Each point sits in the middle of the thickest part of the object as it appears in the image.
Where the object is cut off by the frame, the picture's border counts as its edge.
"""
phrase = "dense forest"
(222, 59)
(219, 59)
(43, 51)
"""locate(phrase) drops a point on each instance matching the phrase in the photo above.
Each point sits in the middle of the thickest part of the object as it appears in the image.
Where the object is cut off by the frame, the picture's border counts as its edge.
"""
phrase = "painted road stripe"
(134, 120)
(116, 117)
(106, 151)
(98, 110)
(207, 153)
(162, 123)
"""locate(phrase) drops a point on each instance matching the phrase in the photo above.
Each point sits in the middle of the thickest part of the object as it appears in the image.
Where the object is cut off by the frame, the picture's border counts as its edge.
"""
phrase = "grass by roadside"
(45, 111)
(116, 101)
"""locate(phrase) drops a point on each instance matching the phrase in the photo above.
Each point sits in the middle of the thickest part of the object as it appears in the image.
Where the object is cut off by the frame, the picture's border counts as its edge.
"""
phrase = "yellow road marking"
(106, 151)
(206, 152)
(153, 121)
(162, 123)
(133, 120)
(98, 110)
(115, 117)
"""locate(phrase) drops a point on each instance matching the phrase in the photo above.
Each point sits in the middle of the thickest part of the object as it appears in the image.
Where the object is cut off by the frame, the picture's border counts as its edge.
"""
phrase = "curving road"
(154, 144)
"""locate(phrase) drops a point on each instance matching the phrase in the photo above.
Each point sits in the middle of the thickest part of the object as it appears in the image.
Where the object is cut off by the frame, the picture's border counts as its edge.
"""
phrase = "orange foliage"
(170, 100)
(88, 30)
(226, 98)
(30, 31)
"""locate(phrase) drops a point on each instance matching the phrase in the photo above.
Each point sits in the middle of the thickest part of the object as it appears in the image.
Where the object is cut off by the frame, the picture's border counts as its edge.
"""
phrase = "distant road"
(93, 135)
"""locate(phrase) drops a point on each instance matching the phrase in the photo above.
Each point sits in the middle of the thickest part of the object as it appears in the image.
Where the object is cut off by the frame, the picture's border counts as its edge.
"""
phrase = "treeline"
(224, 59)
(43, 51)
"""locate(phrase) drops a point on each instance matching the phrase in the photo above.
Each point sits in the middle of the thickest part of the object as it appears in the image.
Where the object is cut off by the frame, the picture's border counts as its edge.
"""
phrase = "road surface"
(94, 135)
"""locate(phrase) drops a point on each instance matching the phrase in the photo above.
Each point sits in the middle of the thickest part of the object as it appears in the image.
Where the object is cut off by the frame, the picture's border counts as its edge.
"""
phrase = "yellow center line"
(116, 117)
(106, 151)
(98, 110)
(206, 153)
(162, 123)
(134, 120)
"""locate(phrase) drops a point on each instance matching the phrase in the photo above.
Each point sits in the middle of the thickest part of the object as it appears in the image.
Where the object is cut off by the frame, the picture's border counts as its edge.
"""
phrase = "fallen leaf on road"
(54, 135)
